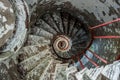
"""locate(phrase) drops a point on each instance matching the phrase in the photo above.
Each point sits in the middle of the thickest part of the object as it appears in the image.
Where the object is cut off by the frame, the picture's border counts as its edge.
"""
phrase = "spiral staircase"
(59, 40)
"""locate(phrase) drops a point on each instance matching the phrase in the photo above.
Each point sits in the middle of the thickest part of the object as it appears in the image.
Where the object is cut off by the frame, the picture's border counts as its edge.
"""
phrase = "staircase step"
(72, 23)
(93, 74)
(42, 24)
(36, 72)
(109, 72)
(60, 73)
(37, 40)
(49, 73)
(49, 20)
(33, 61)
(102, 77)
(70, 72)
(65, 21)
(57, 18)
(112, 71)
(79, 75)
(41, 32)
(74, 33)
(85, 77)
(29, 51)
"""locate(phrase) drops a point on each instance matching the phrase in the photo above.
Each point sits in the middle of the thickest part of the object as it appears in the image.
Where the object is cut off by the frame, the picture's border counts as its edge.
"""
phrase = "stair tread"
(65, 21)
(33, 61)
(37, 40)
(29, 51)
(49, 20)
(93, 75)
(60, 73)
(41, 32)
(79, 75)
(58, 21)
(109, 72)
(71, 25)
(36, 72)
(49, 73)
(70, 72)
(112, 72)
(42, 24)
